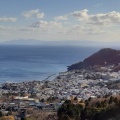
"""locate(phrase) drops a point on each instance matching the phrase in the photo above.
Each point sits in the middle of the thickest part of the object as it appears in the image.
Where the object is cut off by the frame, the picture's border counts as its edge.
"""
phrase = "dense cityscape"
(24, 99)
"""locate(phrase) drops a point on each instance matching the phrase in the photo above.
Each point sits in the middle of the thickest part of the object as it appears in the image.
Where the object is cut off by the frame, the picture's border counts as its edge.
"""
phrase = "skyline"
(55, 20)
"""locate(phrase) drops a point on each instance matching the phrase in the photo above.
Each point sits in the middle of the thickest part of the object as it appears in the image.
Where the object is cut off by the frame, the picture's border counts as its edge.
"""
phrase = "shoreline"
(81, 84)
(48, 78)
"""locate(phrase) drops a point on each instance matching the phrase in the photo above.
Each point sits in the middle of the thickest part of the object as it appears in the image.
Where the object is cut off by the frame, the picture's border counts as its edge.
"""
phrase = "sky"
(46, 20)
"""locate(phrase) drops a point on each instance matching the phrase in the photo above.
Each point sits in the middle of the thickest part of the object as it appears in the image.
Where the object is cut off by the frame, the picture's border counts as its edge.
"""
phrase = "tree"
(64, 117)
(104, 103)
(1, 114)
(98, 105)
(69, 109)
(111, 100)
(23, 119)
(42, 100)
(75, 98)
(89, 99)
(115, 100)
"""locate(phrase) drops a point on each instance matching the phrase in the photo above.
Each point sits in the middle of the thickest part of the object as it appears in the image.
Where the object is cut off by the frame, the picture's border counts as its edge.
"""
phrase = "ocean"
(26, 63)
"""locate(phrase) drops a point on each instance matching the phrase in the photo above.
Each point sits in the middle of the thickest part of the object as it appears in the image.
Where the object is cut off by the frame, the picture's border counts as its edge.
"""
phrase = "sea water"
(26, 63)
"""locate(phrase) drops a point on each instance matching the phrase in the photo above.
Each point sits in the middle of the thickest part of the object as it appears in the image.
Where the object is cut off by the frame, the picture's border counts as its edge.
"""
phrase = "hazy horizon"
(83, 43)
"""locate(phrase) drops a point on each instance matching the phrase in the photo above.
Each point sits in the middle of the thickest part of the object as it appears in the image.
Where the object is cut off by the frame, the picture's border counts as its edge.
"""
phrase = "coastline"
(37, 63)
(81, 83)
(48, 78)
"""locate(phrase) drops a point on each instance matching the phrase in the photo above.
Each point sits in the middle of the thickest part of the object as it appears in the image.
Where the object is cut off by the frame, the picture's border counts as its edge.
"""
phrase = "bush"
(71, 110)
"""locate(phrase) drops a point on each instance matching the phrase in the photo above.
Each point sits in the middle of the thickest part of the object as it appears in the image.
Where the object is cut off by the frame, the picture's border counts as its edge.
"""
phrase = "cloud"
(7, 19)
(5, 31)
(81, 15)
(75, 25)
(27, 29)
(33, 14)
(97, 19)
(105, 19)
(4, 28)
(46, 25)
(85, 30)
(59, 18)
(39, 24)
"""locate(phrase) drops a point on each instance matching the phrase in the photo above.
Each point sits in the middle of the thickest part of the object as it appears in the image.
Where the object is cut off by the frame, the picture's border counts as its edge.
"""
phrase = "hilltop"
(103, 57)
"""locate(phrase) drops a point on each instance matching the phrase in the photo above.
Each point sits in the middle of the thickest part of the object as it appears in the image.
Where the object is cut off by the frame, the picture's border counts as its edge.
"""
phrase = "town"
(49, 95)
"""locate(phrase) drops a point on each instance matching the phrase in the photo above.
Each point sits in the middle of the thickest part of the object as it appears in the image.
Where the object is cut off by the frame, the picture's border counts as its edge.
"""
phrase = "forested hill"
(106, 56)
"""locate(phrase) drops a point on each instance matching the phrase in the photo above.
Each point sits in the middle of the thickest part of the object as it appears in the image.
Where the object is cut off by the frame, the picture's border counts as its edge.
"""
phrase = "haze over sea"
(26, 63)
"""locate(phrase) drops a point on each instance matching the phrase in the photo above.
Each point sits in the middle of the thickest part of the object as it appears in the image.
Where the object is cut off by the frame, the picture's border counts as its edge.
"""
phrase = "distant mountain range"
(106, 56)
(65, 42)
